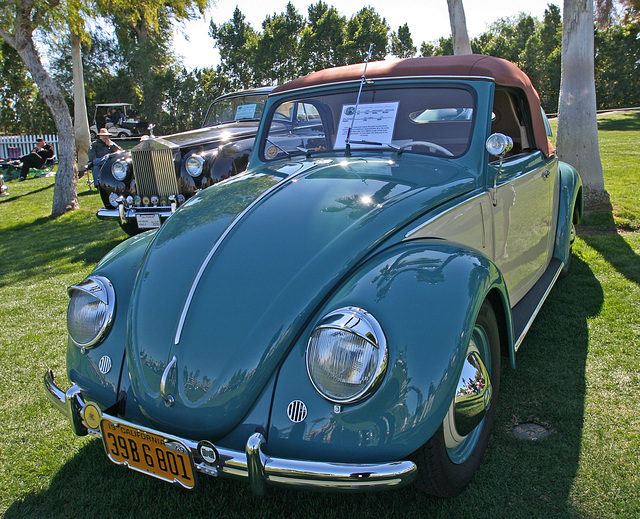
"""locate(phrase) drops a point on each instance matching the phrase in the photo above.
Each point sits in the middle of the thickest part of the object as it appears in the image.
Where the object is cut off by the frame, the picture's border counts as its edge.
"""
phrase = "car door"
(522, 219)
(523, 187)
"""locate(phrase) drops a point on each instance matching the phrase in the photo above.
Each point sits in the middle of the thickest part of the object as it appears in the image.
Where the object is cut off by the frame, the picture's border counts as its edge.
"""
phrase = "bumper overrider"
(253, 464)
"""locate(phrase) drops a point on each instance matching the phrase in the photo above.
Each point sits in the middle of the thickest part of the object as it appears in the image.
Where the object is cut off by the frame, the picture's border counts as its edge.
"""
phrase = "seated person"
(36, 158)
(100, 150)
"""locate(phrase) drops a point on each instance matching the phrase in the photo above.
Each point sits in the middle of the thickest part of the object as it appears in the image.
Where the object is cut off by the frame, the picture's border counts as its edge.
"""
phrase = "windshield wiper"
(371, 143)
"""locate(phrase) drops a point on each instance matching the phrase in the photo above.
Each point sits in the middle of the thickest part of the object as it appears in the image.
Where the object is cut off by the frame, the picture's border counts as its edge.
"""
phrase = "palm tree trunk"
(461, 44)
(577, 140)
(81, 121)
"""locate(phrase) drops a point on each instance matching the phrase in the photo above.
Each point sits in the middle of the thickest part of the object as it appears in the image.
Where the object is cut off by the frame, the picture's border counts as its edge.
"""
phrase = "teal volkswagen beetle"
(335, 317)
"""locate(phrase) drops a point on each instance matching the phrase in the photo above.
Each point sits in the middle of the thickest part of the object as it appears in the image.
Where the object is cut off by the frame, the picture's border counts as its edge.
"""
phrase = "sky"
(428, 20)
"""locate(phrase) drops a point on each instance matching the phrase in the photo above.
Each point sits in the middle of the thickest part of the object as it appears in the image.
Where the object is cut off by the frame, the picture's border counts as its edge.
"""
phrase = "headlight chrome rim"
(194, 165)
(119, 170)
(368, 333)
(101, 290)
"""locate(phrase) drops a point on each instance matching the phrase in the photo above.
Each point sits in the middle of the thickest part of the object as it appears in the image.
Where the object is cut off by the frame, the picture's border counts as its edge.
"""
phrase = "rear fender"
(426, 295)
(570, 208)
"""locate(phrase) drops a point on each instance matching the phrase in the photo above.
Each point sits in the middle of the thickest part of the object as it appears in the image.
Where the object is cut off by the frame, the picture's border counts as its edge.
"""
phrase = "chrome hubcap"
(463, 423)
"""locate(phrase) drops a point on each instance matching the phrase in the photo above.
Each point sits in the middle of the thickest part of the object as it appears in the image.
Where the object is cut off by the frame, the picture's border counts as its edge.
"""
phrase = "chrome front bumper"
(125, 215)
(253, 464)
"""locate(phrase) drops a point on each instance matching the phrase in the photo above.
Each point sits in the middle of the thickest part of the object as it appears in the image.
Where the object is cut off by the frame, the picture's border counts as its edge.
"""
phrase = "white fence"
(14, 146)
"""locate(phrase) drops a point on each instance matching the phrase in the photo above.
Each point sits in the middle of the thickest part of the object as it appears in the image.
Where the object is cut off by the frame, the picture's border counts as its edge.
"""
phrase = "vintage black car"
(143, 186)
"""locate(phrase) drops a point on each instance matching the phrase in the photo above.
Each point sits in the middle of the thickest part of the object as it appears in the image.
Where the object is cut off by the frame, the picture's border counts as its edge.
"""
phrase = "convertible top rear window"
(430, 120)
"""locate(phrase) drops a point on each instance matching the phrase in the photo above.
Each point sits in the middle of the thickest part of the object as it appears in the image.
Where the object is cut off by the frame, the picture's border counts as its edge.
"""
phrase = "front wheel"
(447, 462)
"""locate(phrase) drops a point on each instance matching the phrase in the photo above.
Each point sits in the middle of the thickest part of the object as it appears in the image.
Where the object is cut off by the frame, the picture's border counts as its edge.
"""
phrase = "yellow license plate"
(146, 451)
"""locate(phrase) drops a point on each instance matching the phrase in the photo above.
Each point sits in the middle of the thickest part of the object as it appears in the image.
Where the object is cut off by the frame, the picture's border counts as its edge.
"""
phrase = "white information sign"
(374, 122)
(246, 111)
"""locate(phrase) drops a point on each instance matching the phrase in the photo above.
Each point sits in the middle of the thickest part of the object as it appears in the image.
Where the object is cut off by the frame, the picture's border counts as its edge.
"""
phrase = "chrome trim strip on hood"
(218, 243)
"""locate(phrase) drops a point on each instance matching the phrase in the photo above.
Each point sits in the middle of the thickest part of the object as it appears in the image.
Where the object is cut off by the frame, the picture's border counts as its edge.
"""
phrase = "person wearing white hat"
(100, 150)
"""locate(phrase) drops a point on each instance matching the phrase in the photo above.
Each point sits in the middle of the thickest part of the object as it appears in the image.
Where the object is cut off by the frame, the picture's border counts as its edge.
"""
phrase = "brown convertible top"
(502, 71)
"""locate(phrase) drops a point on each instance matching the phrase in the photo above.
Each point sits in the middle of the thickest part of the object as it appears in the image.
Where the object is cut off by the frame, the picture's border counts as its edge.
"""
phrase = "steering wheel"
(431, 145)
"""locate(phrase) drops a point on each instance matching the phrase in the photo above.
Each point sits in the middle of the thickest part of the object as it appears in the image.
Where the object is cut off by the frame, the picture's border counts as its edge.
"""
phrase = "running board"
(528, 307)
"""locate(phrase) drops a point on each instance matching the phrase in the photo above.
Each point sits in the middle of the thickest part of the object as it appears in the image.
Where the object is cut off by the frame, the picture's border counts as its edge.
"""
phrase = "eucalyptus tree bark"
(81, 121)
(461, 44)
(577, 139)
(65, 196)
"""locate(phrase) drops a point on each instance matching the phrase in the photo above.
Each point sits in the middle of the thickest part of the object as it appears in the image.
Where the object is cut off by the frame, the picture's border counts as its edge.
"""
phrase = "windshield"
(430, 120)
(235, 108)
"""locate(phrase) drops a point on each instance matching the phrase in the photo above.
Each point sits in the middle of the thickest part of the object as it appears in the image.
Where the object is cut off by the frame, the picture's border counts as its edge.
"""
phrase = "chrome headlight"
(194, 165)
(91, 310)
(119, 170)
(347, 355)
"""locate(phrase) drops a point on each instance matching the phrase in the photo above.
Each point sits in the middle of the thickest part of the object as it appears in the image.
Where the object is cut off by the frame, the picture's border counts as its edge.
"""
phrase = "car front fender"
(96, 371)
(426, 295)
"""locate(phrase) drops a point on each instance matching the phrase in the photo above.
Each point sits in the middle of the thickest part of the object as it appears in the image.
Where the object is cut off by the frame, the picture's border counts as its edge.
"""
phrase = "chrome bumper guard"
(260, 469)
(130, 214)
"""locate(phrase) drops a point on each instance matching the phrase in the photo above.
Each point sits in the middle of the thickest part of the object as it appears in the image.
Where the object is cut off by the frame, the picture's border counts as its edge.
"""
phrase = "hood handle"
(168, 399)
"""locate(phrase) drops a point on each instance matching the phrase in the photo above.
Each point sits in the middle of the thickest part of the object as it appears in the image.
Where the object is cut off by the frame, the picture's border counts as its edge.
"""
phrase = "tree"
(444, 47)
(278, 46)
(17, 25)
(22, 109)
(618, 66)
(458, 22)
(402, 44)
(365, 28)
(322, 39)
(236, 40)
(81, 120)
(550, 40)
(577, 136)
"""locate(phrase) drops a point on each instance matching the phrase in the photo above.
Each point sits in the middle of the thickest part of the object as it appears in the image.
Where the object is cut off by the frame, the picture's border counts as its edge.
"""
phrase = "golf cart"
(128, 125)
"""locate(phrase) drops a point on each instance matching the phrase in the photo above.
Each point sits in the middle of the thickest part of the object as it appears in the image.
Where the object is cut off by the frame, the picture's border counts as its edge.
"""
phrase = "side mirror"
(499, 144)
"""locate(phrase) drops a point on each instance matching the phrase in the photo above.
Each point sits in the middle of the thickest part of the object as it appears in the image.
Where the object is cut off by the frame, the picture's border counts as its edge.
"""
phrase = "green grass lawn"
(578, 375)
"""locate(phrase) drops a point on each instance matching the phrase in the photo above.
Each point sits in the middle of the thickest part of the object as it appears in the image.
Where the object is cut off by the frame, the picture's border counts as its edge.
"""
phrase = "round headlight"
(91, 310)
(119, 170)
(347, 355)
(194, 165)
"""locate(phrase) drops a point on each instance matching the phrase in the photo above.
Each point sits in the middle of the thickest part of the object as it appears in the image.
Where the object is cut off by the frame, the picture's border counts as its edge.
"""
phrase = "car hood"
(233, 277)
(210, 134)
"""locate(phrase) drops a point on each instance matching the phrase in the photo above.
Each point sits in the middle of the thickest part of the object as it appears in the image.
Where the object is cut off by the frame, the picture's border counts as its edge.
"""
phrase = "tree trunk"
(65, 195)
(81, 121)
(577, 139)
(461, 44)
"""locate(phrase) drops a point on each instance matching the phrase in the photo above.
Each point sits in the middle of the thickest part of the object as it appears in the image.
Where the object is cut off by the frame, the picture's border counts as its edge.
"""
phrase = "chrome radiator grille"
(155, 173)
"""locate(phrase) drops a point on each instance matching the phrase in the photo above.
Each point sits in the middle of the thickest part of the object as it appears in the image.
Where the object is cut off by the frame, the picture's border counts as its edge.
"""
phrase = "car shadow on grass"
(547, 389)
(517, 478)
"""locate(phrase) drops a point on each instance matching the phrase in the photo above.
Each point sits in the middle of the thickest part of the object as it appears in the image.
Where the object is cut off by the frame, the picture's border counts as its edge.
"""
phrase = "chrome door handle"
(546, 174)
